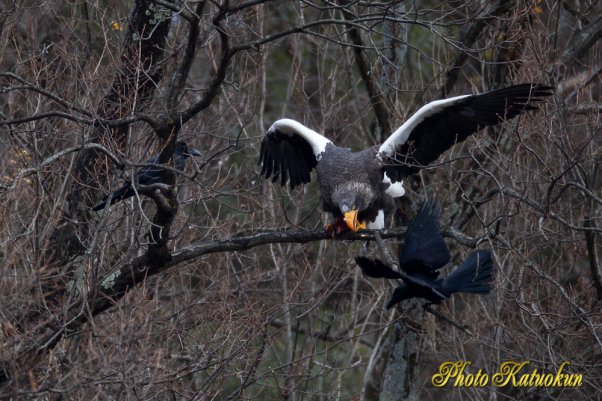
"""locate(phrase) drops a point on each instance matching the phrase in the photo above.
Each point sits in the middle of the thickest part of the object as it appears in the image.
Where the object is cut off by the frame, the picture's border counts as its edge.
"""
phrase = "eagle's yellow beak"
(352, 222)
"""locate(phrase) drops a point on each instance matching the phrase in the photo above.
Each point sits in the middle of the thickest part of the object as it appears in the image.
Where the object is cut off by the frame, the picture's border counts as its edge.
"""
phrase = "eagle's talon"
(337, 227)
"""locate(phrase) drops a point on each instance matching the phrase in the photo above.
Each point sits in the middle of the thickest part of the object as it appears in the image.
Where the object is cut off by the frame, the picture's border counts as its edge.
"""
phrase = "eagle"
(359, 187)
(423, 253)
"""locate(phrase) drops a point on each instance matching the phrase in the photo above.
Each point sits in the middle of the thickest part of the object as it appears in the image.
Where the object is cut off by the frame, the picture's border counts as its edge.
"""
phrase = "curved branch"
(49, 114)
(377, 99)
(181, 74)
(118, 162)
(120, 282)
(29, 86)
(469, 36)
(107, 123)
(220, 74)
(582, 42)
(51, 159)
(131, 275)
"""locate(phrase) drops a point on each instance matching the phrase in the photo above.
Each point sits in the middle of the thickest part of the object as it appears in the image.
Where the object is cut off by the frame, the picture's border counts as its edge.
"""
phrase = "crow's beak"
(352, 222)
(194, 152)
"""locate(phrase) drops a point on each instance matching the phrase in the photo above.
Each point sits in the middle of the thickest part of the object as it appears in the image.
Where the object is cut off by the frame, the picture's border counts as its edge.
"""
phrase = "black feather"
(122, 193)
(375, 268)
(424, 247)
(150, 175)
(474, 276)
(456, 122)
(355, 180)
(423, 254)
(286, 158)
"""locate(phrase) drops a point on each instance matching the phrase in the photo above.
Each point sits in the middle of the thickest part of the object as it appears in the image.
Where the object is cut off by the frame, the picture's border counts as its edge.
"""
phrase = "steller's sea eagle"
(358, 187)
(423, 253)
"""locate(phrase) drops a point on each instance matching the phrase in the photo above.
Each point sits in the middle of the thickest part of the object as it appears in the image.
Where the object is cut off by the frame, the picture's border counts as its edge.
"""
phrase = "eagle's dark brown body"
(353, 179)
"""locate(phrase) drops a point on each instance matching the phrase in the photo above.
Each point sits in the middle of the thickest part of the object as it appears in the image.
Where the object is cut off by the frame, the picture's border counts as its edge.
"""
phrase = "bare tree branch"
(377, 99)
(28, 86)
(469, 34)
(583, 41)
(117, 284)
(593, 258)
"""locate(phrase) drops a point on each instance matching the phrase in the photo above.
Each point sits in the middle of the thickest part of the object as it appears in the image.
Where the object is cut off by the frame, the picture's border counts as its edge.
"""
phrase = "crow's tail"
(120, 194)
(473, 276)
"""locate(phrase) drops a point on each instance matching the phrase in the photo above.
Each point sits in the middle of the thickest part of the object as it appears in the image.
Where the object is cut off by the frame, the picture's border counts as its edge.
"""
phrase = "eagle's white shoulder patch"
(395, 189)
(401, 134)
(291, 127)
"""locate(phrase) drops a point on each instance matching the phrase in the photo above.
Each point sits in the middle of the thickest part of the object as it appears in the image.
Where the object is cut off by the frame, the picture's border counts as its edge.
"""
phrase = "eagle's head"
(351, 198)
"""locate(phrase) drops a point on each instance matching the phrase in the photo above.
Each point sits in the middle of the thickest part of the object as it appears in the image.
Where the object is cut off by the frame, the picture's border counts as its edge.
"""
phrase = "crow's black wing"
(424, 247)
(375, 268)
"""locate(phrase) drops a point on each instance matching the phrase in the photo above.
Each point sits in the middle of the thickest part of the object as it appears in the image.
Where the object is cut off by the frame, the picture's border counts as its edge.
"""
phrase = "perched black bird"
(150, 175)
(424, 252)
(359, 187)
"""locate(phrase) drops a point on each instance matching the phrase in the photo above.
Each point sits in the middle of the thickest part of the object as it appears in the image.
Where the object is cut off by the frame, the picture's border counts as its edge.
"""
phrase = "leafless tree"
(218, 284)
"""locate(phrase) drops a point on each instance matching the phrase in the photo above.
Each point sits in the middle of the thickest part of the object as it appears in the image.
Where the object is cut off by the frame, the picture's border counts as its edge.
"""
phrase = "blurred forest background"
(225, 286)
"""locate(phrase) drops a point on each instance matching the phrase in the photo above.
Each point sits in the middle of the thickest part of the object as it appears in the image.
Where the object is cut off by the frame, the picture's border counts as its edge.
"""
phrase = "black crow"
(150, 175)
(424, 252)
